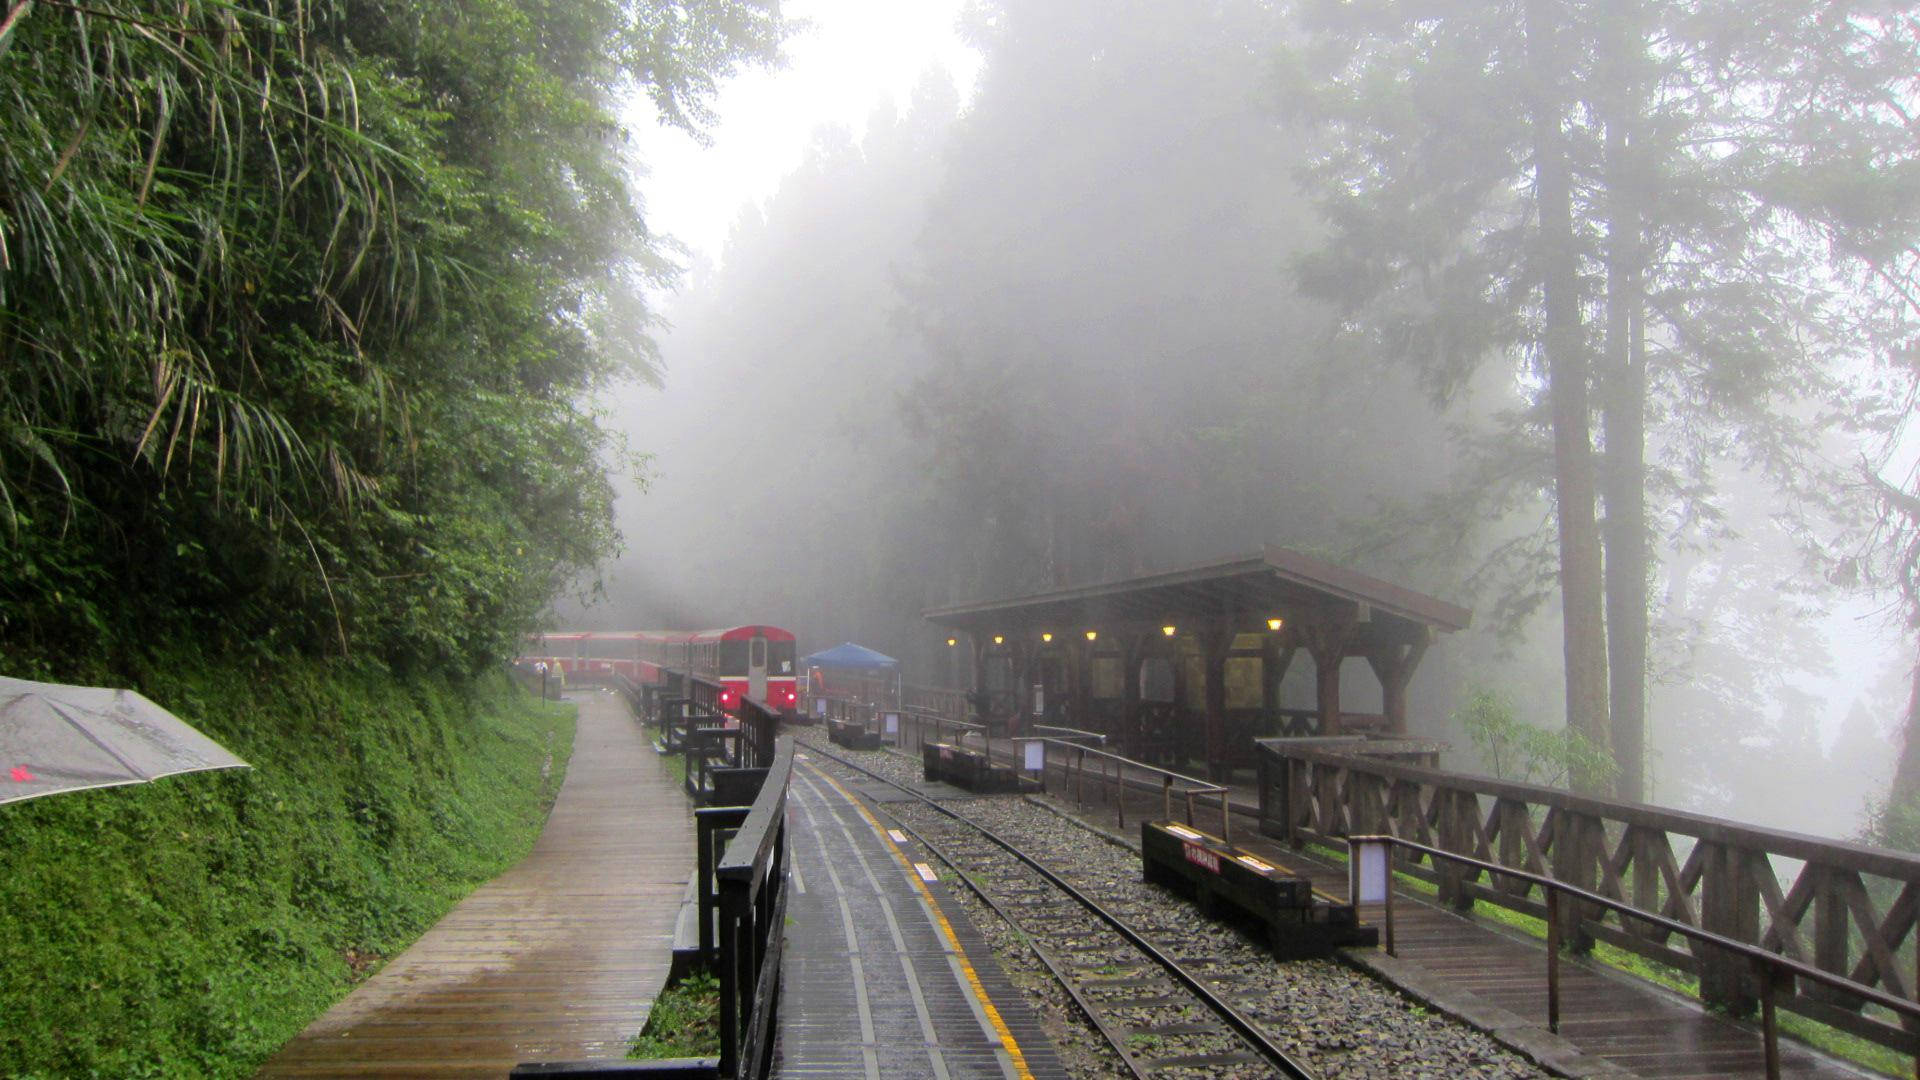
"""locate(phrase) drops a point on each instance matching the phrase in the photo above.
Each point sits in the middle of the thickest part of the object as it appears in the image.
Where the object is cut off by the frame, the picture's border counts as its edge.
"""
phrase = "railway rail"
(1174, 994)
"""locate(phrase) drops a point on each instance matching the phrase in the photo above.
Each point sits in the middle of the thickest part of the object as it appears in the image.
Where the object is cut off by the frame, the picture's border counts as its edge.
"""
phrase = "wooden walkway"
(558, 958)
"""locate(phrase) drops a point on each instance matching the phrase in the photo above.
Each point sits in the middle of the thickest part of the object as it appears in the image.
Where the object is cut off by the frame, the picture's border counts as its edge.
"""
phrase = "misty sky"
(854, 56)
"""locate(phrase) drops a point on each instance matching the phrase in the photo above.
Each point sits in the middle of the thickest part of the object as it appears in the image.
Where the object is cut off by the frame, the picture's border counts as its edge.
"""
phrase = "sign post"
(1370, 877)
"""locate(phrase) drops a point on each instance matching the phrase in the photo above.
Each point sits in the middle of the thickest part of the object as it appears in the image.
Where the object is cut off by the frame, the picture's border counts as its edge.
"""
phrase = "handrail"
(1841, 907)
(1068, 734)
(753, 900)
(1196, 787)
(1705, 827)
(1553, 888)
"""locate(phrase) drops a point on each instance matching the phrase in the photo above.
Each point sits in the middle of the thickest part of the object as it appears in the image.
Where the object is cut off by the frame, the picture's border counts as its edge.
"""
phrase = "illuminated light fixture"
(1093, 635)
(1167, 630)
(953, 641)
(1046, 637)
(999, 640)
(1276, 623)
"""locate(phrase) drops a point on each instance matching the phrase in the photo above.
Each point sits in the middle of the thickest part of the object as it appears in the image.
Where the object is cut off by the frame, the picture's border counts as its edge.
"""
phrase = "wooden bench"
(1298, 922)
(968, 769)
(852, 735)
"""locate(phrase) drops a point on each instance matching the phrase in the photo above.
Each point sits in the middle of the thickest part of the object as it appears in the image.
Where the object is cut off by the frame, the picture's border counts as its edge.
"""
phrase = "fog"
(1058, 336)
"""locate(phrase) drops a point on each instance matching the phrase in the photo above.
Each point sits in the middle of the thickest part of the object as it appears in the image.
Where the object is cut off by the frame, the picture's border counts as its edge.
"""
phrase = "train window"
(757, 657)
(780, 657)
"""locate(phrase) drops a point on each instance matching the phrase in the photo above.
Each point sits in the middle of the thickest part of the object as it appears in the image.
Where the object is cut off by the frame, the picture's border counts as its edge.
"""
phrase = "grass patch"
(188, 927)
(684, 1021)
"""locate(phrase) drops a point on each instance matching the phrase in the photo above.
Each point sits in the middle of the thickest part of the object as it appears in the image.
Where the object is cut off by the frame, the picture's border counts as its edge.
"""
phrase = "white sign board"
(1039, 699)
(1369, 868)
(819, 706)
(891, 724)
(1036, 755)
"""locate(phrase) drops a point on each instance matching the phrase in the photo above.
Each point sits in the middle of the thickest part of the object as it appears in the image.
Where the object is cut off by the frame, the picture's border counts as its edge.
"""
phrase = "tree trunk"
(1584, 634)
(1623, 410)
(1906, 774)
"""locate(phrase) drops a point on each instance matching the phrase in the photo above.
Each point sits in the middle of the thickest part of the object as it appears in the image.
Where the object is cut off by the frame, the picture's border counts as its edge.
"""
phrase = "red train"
(749, 661)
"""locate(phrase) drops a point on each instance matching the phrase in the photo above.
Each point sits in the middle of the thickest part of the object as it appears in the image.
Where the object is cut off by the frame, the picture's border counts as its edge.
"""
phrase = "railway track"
(1161, 1017)
(1324, 1018)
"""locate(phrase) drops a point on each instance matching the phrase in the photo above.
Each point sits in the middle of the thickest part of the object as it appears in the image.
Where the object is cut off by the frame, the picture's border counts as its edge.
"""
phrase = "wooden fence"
(1845, 908)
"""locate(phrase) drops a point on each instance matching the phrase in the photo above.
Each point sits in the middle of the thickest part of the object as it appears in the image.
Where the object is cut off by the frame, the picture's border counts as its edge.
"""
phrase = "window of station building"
(1243, 682)
(1156, 679)
(1106, 678)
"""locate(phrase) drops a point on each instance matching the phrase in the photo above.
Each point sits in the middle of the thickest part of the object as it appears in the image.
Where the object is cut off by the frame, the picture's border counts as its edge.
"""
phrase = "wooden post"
(1454, 835)
(1553, 960)
(1393, 665)
(979, 683)
(1577, 842)
(1080, 682)
(1769, 1026)
(1830, 938)
(1131, 649)
(1730, 907)
(1513, 845)
(1215, 642)
(1023, 655)
(1327, 644)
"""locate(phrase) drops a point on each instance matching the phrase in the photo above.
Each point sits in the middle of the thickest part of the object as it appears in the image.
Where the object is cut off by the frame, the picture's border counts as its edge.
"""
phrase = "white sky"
(856, 54)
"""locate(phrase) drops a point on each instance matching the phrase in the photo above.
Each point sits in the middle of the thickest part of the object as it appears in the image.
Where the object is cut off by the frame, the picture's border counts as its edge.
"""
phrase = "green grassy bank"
(190, 926)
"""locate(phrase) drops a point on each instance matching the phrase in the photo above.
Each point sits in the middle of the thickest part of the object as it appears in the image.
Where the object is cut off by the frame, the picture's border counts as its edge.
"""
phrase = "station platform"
(884, 975)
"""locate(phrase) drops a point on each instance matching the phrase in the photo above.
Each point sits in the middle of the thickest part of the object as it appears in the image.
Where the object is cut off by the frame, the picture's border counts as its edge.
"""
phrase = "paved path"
(884, 976)
(558, 958)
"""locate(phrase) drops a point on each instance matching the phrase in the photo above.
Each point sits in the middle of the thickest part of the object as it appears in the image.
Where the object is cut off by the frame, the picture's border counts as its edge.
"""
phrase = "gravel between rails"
(1334, 1019)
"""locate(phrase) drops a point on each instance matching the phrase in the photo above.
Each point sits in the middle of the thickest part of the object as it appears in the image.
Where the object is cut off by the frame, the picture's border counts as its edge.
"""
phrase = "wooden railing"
(951, 704)
(753, 908)
(1846, 909)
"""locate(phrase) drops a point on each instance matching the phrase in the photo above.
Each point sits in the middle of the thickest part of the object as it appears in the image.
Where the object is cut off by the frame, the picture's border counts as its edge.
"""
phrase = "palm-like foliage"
(290, 294)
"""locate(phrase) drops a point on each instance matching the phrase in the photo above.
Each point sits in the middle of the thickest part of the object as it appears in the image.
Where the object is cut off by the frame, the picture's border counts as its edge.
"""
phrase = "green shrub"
(190, 926)
(684, 1021)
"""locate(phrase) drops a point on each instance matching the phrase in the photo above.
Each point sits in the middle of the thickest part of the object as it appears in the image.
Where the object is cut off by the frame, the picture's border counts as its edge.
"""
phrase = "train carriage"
(754, 661)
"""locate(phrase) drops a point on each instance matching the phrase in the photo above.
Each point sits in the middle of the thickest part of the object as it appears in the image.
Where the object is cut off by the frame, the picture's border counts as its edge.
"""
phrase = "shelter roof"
(852, 657)
(1273, 582)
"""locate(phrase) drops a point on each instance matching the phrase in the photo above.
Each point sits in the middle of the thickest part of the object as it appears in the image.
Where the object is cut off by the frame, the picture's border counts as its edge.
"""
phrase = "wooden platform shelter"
(1186, 664)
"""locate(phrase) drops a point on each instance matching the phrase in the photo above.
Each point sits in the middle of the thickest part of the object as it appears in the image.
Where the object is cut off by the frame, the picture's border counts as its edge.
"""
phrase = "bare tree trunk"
(1623, 393)
(1584, 633)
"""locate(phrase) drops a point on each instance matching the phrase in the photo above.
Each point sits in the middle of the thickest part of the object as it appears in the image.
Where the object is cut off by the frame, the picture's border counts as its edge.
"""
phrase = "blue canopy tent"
(855, 660)
(850, 657)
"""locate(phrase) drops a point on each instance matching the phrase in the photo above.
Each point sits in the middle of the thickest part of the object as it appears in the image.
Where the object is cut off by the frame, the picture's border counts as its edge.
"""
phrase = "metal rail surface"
(1244, 1028)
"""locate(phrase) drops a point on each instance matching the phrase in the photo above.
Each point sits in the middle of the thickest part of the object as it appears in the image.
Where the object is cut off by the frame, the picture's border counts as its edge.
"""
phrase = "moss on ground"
(188, 927)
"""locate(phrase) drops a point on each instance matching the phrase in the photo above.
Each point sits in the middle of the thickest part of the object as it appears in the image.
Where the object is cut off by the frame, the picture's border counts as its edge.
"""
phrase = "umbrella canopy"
(849, 656)
(56, 738)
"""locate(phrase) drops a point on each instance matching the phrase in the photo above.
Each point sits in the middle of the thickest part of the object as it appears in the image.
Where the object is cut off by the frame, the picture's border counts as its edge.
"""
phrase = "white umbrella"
(55, 737)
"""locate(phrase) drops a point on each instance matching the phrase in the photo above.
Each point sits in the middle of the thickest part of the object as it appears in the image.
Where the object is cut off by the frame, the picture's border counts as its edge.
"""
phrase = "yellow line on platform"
(940, 917)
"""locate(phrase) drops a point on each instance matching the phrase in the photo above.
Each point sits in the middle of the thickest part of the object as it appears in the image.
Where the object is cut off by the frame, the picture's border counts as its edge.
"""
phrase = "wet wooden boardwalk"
(558, 958)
